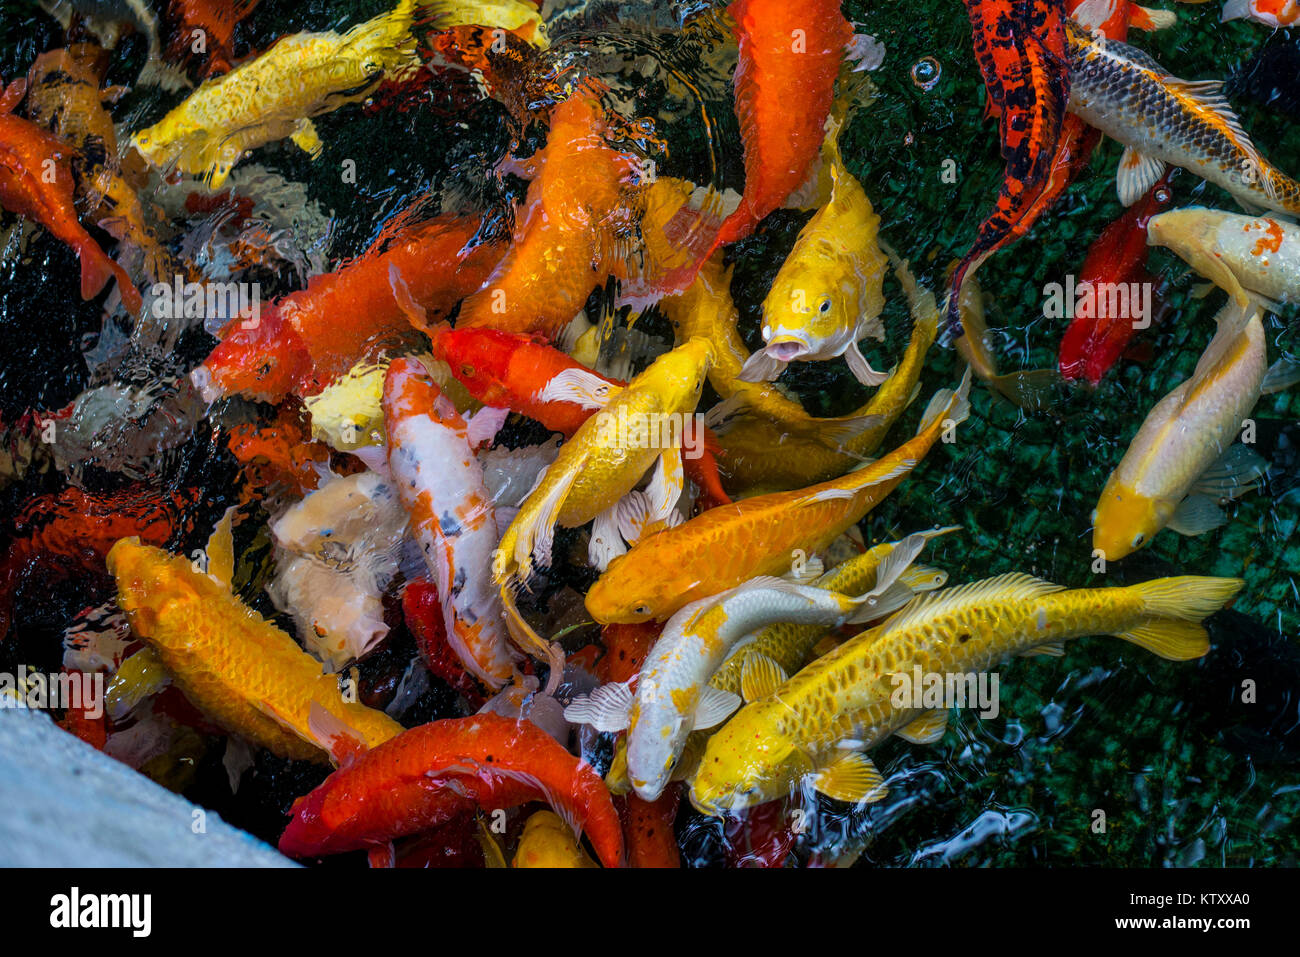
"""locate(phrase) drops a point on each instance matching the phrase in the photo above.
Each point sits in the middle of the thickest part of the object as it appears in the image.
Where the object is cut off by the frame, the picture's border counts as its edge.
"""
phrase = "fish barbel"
(820, 723)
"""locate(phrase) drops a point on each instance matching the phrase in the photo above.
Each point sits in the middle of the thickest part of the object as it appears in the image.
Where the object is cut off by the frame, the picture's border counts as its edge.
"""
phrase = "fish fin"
(861, 368)
(1172, 640)
(1150, 19)
(1236, 472)
(537, 532)
(307, 139)
(335, 736)
(492, 856)
(1091, 14)
(382, 855)
(886, 603)
(164, 76)
(527, 638)
(607, 708)
(852, 777)
(1137, 173)
(813, 569)
(921, 578)
(760, 367)
(482, 426)
(95, 269)
(12, 95)
(1186, 597)
(1013, 586)
(1281, 375)
(1030, 389)
(760, 676)
(415, 313)
(1235, 10)
(1053, 649)
(616, 778)
(947, 404)
(606, 541)
(579, 386)
(887, 573)
(666, 483)
(1196, 515)
(221, 550)
(927, 729)
(714, 707)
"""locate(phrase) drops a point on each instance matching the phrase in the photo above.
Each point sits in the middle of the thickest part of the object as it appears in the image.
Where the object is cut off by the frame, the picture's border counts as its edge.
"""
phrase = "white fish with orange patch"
(673, 696)
(431, 458)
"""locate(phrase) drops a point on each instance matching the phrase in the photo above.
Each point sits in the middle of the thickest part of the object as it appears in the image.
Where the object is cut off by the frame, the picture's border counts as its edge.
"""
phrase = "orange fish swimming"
(36, 182)
(573, 233)
(790, 56)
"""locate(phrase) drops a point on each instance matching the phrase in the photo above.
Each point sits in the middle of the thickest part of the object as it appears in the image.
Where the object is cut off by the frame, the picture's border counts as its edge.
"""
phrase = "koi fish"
(1113, 18)
(673, 696)
(761, 454)
(1182, 460)
(597, 468)
(27, 154)
(523, 373)
(1020, 47)
(242, 672)
(105, 20)
(1245, 256)
(829, 292)
(548, 842)
(1162, 120)
(514, 16)
(1029, 389)
(72, 530)
(818, 725)
(756, 536)
(648, 830)
(422, 609)
(431, 457)
(1273, 13)
(789, 58)
(706, 309)
(574, 230)
(65, 96)
(433, 772)
(1093, 343)
(215, 21)
(304, 342)
(274, 96)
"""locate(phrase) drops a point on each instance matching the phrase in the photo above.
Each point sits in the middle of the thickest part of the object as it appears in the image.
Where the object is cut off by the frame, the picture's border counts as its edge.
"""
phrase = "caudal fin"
(1176, 607)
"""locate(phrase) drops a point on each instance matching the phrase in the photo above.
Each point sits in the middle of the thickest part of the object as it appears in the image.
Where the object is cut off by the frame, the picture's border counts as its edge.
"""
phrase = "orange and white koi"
(1273, 13)
(431, 457)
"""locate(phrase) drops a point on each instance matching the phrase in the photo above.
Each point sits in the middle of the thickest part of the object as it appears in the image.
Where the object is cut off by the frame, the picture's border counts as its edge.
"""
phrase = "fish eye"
(642, 609)
(1138, 539)
(467, 370)
(825, 307)
(265, 369)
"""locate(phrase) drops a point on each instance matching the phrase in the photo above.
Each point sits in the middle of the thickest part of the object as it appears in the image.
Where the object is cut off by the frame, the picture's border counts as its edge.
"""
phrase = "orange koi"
(36, 182)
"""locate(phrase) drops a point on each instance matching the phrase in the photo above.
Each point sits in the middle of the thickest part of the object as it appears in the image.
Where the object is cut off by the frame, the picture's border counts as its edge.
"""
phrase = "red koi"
(1092, 344)
(217, 20)
(305, 341)
(648, 829)
(626, 647)
(430, 774)
(36, 182)
(523, 373)
(1020, 47)
(279, 454)
(71, 531)
(423, 612)
(790, 55)
(762, 837)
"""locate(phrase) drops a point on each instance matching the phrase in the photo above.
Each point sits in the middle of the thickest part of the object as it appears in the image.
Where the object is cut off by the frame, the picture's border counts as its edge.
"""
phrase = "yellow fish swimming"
(1182, 460)
(276, 94)
(830, 291)
(818, 725)
(643, 424)
(241, 671)
(548, 842)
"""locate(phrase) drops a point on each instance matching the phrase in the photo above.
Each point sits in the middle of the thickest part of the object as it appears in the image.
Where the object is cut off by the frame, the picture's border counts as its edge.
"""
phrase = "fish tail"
(1186, 597)
(526, 637)
(947, 404)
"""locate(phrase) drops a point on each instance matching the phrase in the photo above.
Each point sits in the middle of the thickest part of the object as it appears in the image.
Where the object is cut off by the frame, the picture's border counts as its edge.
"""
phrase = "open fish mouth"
(787, 350)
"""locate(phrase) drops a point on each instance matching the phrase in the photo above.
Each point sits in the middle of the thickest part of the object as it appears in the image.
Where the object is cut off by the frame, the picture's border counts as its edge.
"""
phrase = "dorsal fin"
(1014, 586)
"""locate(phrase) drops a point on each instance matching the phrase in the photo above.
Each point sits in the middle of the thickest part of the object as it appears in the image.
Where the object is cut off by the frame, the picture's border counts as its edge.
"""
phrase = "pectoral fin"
(307, 139)
(1137, 173)
(606, 543)
(760, 367)
(1053, 649)
(607, 708)
(861, 368)
(927, 729)
(579, 386)
(760, 676)
(715, 706)
(1196, 515)
(221, 550)
(853, 778)
(1236, 472)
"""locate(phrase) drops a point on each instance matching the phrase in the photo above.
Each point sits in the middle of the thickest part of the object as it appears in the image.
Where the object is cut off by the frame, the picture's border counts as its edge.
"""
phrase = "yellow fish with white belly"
(1182, 460)
(818, 725)
(830, 291)
(275, 95)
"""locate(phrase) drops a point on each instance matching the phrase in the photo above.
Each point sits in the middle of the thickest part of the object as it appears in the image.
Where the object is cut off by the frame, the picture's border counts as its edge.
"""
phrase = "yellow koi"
(241, 671)
(276, 94)
(819, 724)
(1179, 464)
(548, 842)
